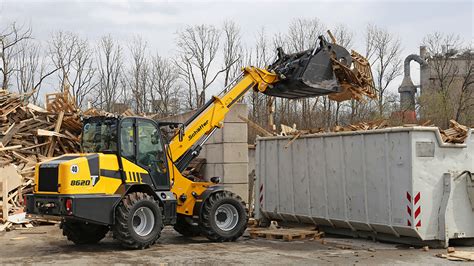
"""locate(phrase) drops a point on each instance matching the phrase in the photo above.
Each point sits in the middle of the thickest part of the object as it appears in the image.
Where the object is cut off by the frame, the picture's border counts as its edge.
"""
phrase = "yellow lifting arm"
(212, 114)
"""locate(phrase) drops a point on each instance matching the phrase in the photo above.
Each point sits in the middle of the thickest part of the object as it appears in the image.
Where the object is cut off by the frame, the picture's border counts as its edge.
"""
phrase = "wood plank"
(36, 108)
(21, 157)
(35, 146)
(292, 140)
(256, 126)
(466, 255)
(10, 148)
(285, 234)
(5, 204)
(10, 133)
(57, 127)
(48, 133)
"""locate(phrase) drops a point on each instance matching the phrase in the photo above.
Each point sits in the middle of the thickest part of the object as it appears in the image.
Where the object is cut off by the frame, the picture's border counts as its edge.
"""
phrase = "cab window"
(99, 136)
(150, 149)
(126, 140)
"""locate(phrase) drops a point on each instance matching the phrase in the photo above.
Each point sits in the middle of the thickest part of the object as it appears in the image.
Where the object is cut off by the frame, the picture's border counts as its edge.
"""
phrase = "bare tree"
(83, 81)
(280, 40)
(260, 105)
(383, 51)
(186, 75)
(198, 47)
(63, 51)
(232, 51)
(263, 52)
(303, 33)
(30, 68)
(450, 94)
(164, 87)
(74, 57)
(138, 74)
(343, 35)
(465, 102)
(109, 64)
(10, 38)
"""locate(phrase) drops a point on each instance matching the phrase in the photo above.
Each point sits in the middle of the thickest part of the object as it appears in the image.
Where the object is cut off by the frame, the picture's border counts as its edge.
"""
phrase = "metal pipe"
(407, 89)
(408, 59)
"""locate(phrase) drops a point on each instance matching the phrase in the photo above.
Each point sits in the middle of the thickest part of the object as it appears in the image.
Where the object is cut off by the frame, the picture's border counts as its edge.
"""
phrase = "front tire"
(138, 221)
(224, 217)
(81, 233)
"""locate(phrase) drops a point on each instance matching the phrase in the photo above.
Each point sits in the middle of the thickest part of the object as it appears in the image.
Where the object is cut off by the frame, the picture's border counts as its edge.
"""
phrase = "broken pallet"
(285, 234)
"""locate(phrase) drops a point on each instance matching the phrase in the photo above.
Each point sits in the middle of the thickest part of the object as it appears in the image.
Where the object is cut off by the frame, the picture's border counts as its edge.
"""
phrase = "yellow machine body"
(132, 180)
(74, 178)
(109, 173)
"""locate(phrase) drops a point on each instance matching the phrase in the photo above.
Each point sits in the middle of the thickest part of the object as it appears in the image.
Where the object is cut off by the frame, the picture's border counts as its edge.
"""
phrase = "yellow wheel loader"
(128, 178)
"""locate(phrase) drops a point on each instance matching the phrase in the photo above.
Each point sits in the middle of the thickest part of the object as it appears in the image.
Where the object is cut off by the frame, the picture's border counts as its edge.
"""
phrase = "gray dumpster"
(398, 184)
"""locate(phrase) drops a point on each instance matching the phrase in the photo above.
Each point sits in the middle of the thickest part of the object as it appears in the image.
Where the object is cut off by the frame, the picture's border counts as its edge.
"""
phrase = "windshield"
(99, 135)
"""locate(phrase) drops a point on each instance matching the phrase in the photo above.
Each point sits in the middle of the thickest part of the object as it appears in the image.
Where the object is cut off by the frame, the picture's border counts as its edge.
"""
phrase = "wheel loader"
(129, 179)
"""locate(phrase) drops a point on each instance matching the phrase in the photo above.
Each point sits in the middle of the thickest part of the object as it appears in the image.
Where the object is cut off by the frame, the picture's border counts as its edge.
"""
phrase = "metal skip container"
(398, 184)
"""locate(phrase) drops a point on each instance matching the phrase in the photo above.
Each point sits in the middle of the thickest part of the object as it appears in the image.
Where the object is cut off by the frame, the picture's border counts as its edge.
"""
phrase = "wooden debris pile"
(456, 133)
(274, 231)
(30, 134)
(371, 125)
(97, 112)
(356, 81)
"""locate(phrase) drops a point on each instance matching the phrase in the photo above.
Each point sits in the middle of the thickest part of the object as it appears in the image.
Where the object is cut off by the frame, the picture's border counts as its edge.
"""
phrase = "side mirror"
(181, 133)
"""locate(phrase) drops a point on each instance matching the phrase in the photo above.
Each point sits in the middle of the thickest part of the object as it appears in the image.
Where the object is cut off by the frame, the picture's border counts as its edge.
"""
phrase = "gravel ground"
(46, 245)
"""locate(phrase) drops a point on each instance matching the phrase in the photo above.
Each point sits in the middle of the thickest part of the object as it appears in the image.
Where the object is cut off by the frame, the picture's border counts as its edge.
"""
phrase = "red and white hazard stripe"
(415, 204)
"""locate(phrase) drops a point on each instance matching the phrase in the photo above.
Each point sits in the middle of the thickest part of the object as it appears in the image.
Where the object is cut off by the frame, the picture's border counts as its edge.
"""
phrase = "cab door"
(151, 153)
(142, 145)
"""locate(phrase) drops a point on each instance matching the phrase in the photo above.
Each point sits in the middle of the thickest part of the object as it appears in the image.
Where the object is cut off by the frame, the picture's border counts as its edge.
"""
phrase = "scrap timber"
(30, 134)
(456, 133)
(287, 234)
(357, 81)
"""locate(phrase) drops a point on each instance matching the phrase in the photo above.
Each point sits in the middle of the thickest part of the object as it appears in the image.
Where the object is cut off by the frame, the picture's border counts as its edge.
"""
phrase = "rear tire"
(224, 217)
(81, 233)
(185, 228)
(138, 221)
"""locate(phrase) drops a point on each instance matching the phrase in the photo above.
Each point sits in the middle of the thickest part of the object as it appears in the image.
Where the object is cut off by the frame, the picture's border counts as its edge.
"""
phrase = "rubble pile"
(456, 133)
(30, 134)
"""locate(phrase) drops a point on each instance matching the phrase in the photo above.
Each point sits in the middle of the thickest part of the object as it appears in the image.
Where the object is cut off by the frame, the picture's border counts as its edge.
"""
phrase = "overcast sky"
(158, 21)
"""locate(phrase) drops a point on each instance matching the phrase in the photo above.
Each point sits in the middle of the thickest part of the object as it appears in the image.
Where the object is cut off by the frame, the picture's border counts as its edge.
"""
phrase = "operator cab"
(136, 139)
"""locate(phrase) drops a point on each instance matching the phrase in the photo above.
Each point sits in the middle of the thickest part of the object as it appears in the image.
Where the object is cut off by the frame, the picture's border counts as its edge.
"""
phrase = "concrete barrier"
(226, 152)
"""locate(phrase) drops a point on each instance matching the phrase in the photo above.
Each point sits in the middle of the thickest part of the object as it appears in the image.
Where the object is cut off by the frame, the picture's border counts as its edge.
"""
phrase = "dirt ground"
(45, 244)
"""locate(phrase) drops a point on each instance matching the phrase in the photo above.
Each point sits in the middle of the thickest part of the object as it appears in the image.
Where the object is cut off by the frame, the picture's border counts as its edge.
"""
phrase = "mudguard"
(203, 197)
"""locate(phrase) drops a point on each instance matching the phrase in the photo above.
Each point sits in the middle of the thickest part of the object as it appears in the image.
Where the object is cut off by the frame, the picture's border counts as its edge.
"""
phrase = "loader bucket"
(326, 70)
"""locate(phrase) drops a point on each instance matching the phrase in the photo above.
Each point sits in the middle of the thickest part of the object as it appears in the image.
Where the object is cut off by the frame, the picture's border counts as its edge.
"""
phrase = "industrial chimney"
(407, 89)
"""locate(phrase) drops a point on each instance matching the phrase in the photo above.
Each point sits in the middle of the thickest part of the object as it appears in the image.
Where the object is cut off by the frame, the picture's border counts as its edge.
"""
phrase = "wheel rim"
(143, 221)
(226, 217)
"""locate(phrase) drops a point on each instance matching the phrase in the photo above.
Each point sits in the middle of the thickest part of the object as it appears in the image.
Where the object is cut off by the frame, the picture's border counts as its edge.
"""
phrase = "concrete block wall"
(226, 152)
